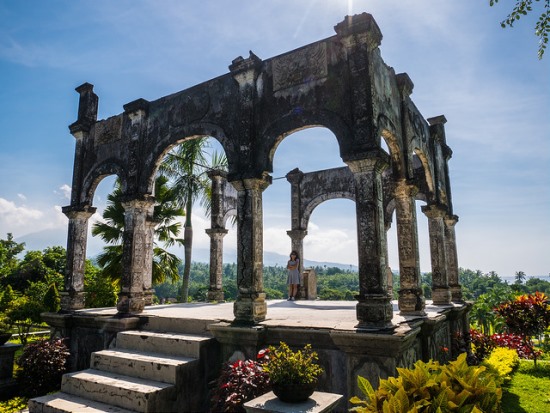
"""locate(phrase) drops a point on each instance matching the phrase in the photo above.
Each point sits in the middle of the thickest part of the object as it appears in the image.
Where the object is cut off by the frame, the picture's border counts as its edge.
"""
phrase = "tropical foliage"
(524, 7)
(293, 367)
(186, 167)
(527, 316)
(239, 382)
(111, 230)
(431, 387)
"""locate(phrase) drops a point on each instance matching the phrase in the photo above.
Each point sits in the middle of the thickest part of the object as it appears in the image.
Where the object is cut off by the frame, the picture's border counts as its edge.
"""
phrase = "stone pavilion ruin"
(340, 83)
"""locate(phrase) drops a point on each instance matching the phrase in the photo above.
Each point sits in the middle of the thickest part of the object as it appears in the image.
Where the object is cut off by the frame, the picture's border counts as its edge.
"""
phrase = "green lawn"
(529, 389)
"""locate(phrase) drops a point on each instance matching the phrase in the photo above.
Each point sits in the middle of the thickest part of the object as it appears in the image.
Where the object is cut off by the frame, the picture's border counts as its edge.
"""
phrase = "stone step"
(177, 325)
(68, 403)
(145, 365)
(130, 393)
(177, 344)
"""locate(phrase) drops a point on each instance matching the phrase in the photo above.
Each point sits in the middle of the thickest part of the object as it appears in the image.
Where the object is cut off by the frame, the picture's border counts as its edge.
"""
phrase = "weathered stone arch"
(341, 83)
(289, 124)
(92, 180)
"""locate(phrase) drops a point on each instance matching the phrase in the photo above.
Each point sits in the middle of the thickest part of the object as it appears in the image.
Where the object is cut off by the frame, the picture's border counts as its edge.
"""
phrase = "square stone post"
(73, 297)
(250, 307)
(374, 310)
(452, 258)
(441, 294)
(215, 291)
(411, 299)
(136, 270)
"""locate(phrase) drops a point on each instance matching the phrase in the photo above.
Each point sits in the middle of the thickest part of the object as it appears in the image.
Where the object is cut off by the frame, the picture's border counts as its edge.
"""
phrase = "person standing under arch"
(293, 279)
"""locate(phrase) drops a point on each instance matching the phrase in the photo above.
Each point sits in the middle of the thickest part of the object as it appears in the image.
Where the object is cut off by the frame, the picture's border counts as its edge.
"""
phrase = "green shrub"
(431, 387)
(287, 366)
(52, 299)
(503, 361)
(42, 364)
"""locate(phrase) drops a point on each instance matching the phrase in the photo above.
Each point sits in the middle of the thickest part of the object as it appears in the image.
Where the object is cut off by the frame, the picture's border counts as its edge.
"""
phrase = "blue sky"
(486, 80)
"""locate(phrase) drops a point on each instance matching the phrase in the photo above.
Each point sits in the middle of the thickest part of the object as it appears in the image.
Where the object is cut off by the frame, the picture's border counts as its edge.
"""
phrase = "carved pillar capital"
(368, 165)
(405, 190)
(297, 234)
(254, 184)
(216, 232)
(78, 212)
(434, 211)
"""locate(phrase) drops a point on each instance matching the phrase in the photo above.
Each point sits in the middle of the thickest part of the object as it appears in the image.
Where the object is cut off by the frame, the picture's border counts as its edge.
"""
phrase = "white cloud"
(22, 197)
(65, 191)
(13, 218)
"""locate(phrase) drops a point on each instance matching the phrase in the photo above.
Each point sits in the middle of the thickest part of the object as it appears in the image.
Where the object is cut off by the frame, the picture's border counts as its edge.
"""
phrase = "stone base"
(375, 312)
(71, 301)
(215, 295)
(249, 310)
(456, 293)
(132, 303)
(441, 296)
(411, 302)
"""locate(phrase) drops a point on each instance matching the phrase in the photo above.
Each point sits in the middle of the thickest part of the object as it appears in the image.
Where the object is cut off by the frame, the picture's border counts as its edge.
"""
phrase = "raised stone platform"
(345, 351)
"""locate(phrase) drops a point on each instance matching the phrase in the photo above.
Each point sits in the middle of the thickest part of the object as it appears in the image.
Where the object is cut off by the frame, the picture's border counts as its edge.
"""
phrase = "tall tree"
(186, 166)
(542, 27)
(8, 254)
(165, 264)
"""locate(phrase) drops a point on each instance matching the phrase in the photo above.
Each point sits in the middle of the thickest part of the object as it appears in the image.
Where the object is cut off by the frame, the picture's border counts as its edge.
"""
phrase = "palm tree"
(186, 166)
(165, 264)
(520, 277)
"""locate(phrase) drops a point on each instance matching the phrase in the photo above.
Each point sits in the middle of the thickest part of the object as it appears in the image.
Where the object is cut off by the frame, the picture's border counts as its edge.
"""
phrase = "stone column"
(136, 272)
(148, 265)
(215, 291)
(72, 298)
(297, 244)
(411, 299)
(374, 310)
(250, 307)
(441, 294)
(389, 273)
(452, 258)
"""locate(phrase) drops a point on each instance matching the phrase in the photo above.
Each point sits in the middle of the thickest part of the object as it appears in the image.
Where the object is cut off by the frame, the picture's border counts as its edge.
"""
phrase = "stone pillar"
(73, 297)
(411, 299)
(452, 258)
(148, 264)
(389, 273)
(374, 310)
(136, 272)
(297, 244)
(215, 291)
(250, 307)
(441, 294)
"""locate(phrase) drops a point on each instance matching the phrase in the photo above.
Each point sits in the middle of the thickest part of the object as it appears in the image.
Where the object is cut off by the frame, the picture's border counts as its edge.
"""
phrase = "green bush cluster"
(432, 387)
(503, 361)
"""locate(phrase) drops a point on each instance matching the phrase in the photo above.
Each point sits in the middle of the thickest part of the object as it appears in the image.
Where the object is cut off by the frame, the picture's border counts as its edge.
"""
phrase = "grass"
(529, 389)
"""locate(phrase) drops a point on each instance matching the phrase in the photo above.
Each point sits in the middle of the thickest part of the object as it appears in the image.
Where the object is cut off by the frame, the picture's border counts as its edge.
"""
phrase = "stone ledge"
(318, 402)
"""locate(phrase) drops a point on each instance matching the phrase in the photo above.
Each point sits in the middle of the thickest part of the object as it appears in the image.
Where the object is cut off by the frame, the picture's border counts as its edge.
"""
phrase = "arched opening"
(187, 165)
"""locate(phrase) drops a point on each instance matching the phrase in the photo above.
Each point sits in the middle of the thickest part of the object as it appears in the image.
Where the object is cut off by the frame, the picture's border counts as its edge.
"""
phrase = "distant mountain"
(38, 241)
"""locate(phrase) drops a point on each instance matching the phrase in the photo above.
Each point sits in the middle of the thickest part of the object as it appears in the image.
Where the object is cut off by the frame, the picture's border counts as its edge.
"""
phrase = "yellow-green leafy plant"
(292, 367)
(432, 388)
(503, 361)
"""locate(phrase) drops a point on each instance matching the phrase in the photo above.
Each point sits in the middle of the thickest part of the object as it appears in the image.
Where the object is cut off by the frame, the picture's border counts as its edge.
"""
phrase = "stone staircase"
(146, 371)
